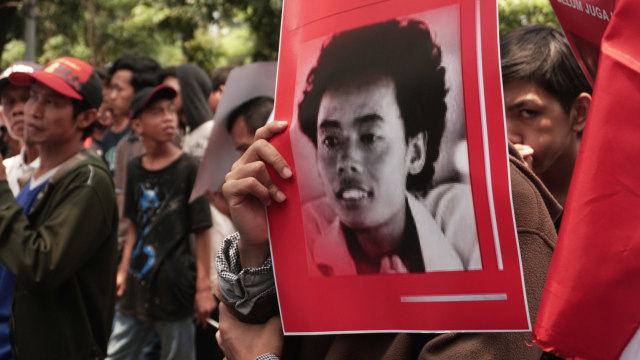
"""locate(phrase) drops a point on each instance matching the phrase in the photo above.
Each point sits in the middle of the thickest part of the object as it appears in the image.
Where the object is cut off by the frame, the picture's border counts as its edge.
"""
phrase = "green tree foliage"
(263, 17)
(516, 13)
(13, 51)
(209, 33)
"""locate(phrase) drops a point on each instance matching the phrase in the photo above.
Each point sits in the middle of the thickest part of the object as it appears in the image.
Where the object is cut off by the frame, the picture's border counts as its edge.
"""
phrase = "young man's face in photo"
(158, 122)
(13, 98)
(121, 92)
(536, 118)
(362, 153)
(48, 117)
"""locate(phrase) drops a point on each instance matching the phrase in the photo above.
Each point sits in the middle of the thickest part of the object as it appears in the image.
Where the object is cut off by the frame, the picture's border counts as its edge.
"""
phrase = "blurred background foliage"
(209, 33)
(516, 13)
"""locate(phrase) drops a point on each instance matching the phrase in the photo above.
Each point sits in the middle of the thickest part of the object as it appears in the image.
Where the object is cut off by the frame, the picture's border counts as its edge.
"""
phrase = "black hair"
(219, 76)
(541, 54)
(167, 72)
(78, 107)
(103, 73)
(406, 53)
(255, 111)
(145, 70)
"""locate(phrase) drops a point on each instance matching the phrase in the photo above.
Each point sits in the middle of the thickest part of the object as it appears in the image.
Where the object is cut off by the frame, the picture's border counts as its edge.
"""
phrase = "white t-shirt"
(195, 141)
(17, 168)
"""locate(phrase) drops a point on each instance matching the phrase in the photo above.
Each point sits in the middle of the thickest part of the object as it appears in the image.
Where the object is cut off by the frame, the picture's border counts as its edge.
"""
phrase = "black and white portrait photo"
(380, 149)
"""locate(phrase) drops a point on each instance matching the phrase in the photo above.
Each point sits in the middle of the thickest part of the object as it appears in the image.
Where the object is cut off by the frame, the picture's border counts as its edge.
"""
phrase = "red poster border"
(371, 303)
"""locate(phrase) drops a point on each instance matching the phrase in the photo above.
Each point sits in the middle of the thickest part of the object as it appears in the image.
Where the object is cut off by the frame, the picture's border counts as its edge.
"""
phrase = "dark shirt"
(109, 142)
(160, 284)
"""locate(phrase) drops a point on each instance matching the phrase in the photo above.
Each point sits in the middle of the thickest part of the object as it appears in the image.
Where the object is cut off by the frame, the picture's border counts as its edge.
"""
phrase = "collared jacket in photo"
(63, 256)
(444, 244)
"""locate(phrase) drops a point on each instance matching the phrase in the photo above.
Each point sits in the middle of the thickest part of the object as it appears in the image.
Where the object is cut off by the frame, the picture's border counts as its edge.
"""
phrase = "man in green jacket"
(58, 237)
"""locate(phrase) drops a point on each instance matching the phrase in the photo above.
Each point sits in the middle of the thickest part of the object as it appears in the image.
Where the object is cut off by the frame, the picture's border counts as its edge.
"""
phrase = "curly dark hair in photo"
(405, 52)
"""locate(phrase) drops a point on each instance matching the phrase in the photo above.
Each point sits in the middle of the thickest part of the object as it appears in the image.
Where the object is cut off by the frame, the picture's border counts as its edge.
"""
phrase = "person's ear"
(136, 125)
(579, 111)
(416, 153)
(86, 118)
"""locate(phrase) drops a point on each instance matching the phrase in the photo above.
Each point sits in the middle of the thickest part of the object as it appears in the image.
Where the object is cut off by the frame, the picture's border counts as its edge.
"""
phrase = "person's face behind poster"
(386, 184)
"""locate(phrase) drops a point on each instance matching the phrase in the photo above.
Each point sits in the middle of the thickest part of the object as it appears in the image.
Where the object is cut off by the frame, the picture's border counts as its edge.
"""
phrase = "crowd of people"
(102, 255)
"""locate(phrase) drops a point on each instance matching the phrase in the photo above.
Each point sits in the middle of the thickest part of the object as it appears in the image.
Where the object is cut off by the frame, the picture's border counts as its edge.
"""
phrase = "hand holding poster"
(398, 217)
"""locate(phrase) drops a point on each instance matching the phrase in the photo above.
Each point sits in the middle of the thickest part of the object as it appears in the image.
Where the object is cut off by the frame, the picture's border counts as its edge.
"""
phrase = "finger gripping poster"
(399, 215)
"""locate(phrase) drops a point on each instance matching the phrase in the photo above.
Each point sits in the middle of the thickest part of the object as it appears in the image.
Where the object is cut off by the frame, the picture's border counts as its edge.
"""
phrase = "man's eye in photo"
(330, 142)
(368, 138)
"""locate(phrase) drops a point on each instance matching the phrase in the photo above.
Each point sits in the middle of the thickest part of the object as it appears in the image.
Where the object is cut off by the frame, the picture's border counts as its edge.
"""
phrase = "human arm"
(74, 218)
(120, 200)
(204, 302)
(250, 292)
(126, 204)
(240, 340)
(244, 265)
(123, 267)
(248, 189)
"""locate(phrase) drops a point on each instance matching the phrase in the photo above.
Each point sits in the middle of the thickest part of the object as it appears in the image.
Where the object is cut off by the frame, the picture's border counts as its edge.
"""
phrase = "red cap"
(68, 76)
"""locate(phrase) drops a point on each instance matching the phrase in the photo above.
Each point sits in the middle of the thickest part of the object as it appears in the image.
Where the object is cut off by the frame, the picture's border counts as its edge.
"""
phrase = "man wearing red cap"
(12, 99)
(58, 238)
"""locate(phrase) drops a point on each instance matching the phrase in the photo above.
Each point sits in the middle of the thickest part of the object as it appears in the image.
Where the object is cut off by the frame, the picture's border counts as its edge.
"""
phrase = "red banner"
(590, 304)
(584, 23)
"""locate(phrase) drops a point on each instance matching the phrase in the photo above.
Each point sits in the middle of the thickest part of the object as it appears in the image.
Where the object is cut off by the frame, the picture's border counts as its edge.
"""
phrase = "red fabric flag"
(590, 306)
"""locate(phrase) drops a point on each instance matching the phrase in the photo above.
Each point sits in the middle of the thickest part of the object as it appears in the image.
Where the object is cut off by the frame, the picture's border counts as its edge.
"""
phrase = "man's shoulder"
(125, 141)
(135, 162)
(83, 167)
(186, 164)
(448, 196)
(188, 159)
(451, 206)
(110, 139)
